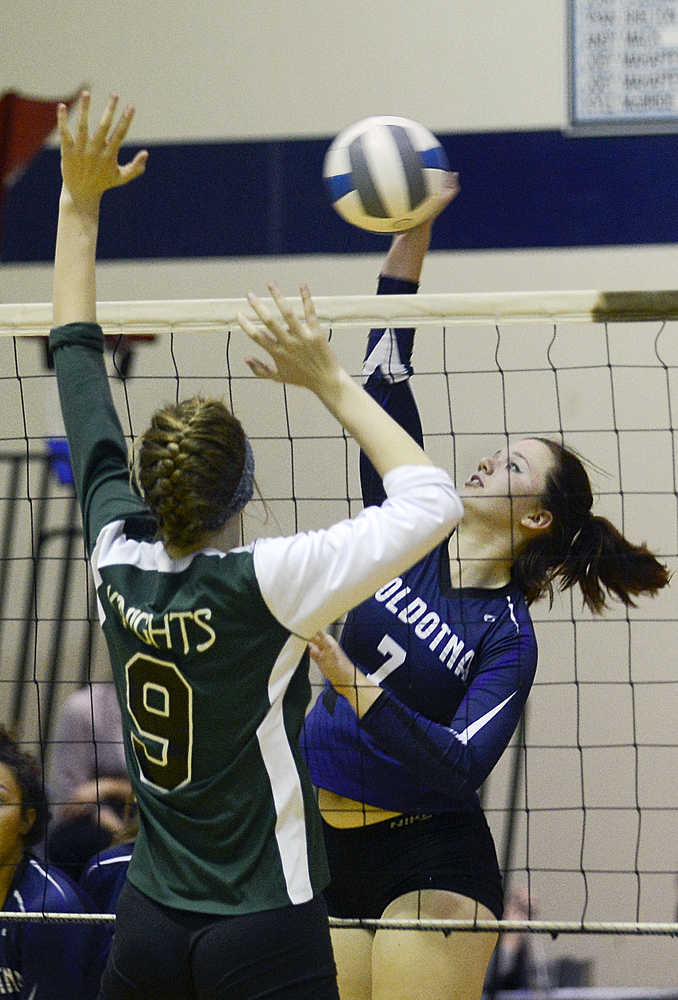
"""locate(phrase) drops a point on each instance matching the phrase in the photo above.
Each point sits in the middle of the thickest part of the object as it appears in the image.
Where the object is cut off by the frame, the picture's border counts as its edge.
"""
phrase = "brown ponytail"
(582, 548)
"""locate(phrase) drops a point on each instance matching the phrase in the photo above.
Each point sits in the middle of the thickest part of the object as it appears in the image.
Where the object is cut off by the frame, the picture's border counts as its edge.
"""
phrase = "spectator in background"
(103, 879)
(104, 876)
(37, 960)
(90, 792)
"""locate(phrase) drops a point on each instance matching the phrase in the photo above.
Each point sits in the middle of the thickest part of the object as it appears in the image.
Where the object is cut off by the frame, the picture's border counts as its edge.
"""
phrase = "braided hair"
(194, 469)
(583, 548)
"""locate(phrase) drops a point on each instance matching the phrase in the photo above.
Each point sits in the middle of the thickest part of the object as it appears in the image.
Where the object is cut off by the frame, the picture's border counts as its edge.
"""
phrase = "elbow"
(449, 511)
(455, 506)
(463, 776)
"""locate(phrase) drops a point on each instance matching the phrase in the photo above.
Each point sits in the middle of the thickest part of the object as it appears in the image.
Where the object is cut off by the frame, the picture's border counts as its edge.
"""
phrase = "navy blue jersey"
(47, 961)
(103, 879)
(455, 664)
(104, 876)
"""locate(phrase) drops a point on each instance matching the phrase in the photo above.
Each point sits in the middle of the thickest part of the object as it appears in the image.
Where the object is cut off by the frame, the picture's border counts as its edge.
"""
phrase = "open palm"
(89, 164)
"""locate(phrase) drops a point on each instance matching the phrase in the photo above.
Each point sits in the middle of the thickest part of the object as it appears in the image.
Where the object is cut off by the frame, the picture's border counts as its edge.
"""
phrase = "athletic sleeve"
(386, 372)
(62, 959)
(95, 438)
(310, 579)
(54, 963)
(456, 759)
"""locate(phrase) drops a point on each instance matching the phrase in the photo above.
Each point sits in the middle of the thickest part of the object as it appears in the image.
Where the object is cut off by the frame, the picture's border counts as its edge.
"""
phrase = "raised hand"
(297, 346)
(406, 254)
(346, 680)
(332, 661)
(449, 191)
(89, 164)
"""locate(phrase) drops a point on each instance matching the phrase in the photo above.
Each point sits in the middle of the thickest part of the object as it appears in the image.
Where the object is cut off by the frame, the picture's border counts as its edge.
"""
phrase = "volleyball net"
(584, 803)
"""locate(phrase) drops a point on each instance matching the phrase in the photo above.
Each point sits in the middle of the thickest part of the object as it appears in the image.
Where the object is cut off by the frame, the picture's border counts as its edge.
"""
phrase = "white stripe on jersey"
(111, 861)
(476, 726)
(119, 860)
(45, 874)
(114, 548)
(290, 827)
(386, 356)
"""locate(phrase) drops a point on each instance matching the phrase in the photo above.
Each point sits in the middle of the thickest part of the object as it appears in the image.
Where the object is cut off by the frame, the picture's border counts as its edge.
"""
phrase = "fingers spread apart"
(292, 340)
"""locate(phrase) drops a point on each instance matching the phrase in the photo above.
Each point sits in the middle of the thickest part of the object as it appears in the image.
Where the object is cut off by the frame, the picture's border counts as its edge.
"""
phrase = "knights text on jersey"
(212, 702)
(212, 687)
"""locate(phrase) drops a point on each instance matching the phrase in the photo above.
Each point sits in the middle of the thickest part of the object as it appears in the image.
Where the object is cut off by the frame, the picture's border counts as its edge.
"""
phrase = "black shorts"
(160, 953)
(373, 865)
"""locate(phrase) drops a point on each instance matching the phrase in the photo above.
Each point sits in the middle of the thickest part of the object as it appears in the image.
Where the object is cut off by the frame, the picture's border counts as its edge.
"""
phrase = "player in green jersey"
(208, 638)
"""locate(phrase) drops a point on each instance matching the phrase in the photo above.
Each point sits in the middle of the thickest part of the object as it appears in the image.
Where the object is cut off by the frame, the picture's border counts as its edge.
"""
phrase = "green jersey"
(209, 657)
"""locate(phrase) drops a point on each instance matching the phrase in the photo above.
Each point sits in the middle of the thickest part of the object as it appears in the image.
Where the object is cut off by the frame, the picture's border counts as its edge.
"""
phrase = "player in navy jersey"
(429, 682)
(40, 961)
(104, 876)
(209, 638)
(102, 880)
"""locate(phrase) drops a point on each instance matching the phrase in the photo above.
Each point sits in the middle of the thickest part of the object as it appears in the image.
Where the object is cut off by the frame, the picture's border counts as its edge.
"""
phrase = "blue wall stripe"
(519, 189)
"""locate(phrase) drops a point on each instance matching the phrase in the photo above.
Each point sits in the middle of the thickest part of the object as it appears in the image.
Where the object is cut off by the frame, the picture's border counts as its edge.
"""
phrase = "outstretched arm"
(406, 254)
(302, 356)
(387, 366)
(313, 578)
(89, 166)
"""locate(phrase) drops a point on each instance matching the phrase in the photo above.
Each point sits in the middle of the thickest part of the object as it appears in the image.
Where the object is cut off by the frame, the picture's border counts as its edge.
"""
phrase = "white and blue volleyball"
(383, 173)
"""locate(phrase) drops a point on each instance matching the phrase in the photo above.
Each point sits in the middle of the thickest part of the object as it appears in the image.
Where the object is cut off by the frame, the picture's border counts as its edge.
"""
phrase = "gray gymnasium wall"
(218, 71)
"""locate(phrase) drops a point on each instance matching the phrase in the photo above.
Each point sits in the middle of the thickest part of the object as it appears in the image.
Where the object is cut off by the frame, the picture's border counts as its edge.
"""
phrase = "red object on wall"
(25, 124)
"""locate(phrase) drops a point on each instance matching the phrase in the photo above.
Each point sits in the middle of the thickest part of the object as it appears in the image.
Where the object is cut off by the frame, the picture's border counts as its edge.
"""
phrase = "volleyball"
(383, 173)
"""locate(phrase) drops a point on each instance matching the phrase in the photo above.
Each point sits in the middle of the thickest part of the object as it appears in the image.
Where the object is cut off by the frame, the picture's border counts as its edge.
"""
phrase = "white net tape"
(372, 310)
(552, 927)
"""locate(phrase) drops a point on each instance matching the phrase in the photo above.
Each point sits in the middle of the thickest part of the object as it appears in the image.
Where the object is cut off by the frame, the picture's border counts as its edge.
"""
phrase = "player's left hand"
(89, 164)
(448, 192)
(332, 661)
(342, 673)
(298, 348)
